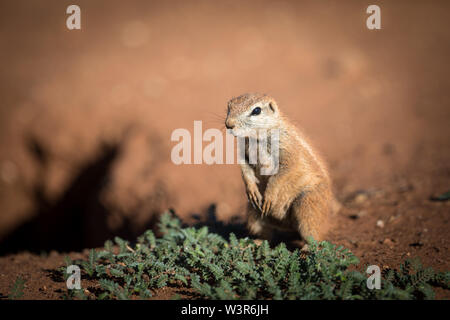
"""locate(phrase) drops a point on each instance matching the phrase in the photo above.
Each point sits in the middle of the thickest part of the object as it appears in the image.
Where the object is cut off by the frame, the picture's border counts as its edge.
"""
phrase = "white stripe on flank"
(308, 148)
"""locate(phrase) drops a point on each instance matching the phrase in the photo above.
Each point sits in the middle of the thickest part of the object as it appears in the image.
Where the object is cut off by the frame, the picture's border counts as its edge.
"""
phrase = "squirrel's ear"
(273, 106)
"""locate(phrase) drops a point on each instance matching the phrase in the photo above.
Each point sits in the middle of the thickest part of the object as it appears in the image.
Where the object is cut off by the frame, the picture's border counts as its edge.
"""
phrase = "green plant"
(17, 289)
(241, 269)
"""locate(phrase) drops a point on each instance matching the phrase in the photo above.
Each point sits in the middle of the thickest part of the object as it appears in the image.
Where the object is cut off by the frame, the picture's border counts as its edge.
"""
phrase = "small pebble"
(360, 198)
(380, 224)
(361, 213)
(392, 218)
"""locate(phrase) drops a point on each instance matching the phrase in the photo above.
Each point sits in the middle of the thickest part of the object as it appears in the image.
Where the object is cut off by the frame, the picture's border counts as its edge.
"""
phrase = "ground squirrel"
(296, 198)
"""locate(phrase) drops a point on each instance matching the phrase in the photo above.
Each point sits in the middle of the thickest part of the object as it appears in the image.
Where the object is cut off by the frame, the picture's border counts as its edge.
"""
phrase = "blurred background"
(86, 115)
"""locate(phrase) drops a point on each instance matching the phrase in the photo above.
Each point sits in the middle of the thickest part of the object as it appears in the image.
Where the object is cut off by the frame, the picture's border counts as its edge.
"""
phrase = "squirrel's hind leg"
(311, 211)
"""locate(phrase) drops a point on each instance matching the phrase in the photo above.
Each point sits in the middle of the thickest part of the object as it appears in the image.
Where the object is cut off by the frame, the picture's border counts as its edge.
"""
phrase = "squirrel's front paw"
(273, 205)
(268, 203)
(254, 196)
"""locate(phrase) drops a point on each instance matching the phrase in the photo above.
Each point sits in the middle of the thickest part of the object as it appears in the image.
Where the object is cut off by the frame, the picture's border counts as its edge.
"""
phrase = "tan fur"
(298, 197)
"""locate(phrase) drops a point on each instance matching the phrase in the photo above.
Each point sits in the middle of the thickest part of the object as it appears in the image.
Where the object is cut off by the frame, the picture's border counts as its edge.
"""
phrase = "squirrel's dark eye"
(256, 111)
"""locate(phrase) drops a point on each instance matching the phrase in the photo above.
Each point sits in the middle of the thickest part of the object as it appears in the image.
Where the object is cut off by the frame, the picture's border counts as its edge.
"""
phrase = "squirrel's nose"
(229, 124)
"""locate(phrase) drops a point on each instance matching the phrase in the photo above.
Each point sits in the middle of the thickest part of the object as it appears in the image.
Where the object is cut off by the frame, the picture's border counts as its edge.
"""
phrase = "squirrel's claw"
(255, 198)
(267, 205)
(268, 202)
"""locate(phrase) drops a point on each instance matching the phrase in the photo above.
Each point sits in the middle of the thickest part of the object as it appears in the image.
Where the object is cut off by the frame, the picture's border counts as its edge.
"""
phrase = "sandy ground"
(86, 119)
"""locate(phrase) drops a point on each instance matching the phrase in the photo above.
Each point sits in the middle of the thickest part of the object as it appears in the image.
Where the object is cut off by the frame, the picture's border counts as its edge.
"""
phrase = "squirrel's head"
(250, 112)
